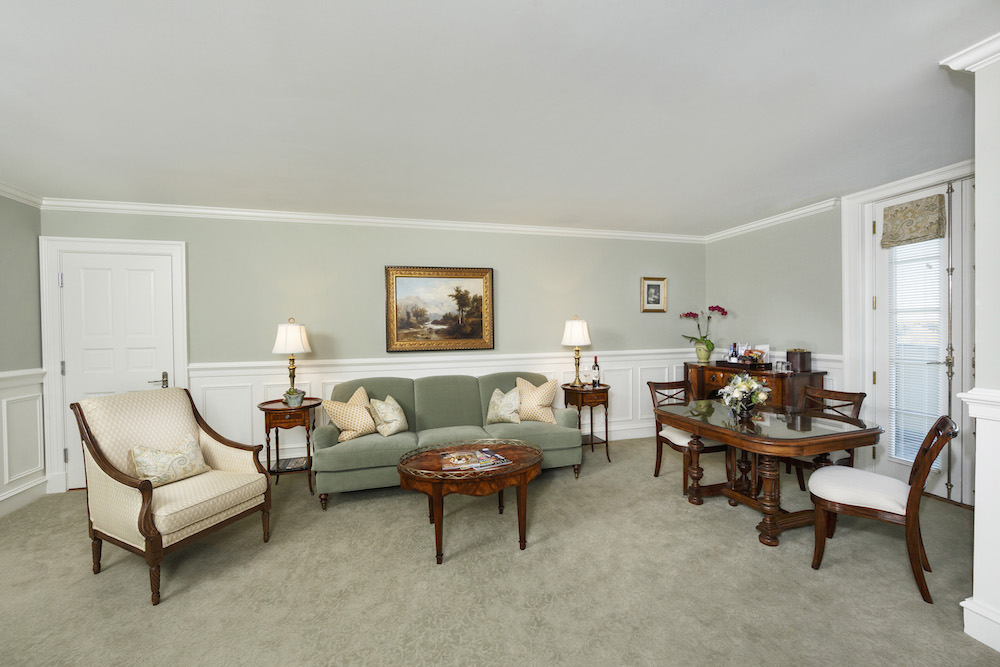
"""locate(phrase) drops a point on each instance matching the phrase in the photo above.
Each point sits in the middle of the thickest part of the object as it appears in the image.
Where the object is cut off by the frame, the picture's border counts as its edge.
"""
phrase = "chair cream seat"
(682, 438)
(850, 486)
(179, 504)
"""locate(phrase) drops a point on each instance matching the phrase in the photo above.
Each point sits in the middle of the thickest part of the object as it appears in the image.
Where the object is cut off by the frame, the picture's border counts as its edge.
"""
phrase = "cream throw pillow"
(504, 407)
(389, 416)
(536, 402)
(164, 466)
(352, 417)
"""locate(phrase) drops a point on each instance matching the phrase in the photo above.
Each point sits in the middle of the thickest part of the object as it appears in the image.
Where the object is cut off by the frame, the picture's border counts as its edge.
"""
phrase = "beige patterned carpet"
(619, 569)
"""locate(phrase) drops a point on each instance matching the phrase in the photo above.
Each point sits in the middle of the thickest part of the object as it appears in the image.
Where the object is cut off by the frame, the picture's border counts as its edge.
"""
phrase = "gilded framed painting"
(653, 295)
(438, 309)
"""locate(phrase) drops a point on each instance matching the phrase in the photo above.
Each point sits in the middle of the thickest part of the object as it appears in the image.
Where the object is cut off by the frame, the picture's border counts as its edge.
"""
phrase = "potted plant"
(293, 397)
(703, 345)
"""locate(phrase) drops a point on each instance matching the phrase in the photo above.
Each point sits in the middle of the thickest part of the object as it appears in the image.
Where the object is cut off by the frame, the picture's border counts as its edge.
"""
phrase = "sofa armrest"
(325, 436)
(565, 417)
(223, 454)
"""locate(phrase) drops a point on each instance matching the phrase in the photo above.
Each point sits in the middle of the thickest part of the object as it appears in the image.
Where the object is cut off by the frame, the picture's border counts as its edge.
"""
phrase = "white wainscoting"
(227, 394)
(22, 443)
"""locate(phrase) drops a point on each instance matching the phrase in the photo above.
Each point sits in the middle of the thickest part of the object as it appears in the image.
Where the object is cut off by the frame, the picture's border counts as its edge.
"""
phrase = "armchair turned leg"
(154, 583)
(322, 500)
(95, 547)
(267, 525)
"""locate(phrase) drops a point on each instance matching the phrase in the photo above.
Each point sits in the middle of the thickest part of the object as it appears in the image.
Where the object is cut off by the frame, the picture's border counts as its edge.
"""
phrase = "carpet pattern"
(619, 569)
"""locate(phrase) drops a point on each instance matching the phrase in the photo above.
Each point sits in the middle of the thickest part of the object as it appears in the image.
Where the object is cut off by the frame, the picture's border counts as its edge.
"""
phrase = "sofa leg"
(322, 500)
(576, 471)
(95, 548)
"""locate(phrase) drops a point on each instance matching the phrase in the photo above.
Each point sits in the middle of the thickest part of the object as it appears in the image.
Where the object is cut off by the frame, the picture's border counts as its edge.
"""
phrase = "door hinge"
(65, 456)
(60, 279)
(873, 226)
(62, 368)
(873, 377)
(874, 302)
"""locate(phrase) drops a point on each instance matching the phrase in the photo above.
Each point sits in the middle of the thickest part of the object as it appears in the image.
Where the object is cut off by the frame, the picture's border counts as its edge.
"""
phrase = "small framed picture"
(653, 295)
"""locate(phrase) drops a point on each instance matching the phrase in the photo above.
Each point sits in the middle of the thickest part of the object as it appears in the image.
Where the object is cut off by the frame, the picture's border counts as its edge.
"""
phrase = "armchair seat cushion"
(850, 486)
(187, 501)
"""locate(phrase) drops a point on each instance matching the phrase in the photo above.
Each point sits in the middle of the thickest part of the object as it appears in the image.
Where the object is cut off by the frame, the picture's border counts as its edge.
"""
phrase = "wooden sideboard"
(785, 387)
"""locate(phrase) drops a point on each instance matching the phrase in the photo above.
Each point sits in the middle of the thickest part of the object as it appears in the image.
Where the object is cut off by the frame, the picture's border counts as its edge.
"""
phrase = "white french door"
(113, 321)
(916, 325)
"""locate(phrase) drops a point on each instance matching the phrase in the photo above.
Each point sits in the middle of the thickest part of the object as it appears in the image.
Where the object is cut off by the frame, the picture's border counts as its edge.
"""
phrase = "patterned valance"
(919, 220)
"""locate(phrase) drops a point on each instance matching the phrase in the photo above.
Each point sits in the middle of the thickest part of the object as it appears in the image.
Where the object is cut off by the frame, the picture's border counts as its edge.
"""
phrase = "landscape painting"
(438, 309)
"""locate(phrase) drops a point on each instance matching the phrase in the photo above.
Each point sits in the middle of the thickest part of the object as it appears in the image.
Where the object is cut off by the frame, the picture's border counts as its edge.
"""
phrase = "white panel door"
(117, 331)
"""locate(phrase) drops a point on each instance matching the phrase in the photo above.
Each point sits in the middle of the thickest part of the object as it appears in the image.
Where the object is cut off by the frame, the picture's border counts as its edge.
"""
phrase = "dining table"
(768, 434)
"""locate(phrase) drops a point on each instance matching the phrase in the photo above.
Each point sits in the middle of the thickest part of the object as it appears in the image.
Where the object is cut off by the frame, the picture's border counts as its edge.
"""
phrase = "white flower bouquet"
(744, 392)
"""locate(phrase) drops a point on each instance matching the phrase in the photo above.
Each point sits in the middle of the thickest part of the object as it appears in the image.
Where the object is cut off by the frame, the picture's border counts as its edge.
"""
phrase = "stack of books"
(472, 460)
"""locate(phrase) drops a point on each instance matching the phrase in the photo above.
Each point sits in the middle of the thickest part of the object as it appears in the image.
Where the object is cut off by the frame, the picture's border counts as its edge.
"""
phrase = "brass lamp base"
(576, 362)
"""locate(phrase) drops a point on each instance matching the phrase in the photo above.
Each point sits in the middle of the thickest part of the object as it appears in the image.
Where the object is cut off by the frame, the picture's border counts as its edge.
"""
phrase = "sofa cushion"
(447, 400)
(504, 408)
(180, 504)
(505, 381)
(401, 389)
(439, 436)
(388, 415)
(163, 466)
(536, 402)
(547, 436)
(368, 451)
(352, 418)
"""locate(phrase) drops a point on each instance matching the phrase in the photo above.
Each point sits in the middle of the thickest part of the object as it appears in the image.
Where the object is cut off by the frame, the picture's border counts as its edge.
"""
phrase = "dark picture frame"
(433, 308)
(653, 295)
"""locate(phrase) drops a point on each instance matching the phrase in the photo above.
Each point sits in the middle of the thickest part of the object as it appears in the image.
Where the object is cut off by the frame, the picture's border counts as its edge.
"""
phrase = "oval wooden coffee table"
(421, 470)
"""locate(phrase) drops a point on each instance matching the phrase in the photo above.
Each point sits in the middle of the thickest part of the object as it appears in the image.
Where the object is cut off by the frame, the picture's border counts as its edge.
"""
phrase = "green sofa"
(439, 409)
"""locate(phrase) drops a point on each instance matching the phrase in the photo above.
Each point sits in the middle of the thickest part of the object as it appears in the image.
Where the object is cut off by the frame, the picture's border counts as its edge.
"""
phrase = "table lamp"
(291, 340)
(576, 334)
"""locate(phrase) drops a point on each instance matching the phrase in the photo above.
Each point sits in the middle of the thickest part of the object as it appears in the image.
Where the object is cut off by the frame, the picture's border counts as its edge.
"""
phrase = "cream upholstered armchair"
(152, 518)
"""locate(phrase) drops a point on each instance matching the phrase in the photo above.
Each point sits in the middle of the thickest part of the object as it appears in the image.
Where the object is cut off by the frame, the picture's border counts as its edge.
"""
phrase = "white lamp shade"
(576, 333)
(291, 339)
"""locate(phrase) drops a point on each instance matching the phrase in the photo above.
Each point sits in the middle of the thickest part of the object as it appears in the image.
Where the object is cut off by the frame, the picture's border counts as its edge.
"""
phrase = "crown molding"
(976, 56)
(131, 208)
(17, 194)
(779, 219)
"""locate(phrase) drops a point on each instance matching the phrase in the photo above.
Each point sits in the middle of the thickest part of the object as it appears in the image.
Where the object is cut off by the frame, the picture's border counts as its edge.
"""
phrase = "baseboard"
(982, 623)
(15, 499)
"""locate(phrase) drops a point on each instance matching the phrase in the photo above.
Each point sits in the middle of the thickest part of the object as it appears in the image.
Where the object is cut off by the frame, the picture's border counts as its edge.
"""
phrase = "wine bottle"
(596, 374)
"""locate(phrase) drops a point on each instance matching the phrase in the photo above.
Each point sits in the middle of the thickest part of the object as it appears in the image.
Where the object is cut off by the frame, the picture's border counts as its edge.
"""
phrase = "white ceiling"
(681, 117)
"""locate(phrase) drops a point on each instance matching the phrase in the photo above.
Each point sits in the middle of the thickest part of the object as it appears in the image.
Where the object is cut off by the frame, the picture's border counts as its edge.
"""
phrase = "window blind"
(916, 342)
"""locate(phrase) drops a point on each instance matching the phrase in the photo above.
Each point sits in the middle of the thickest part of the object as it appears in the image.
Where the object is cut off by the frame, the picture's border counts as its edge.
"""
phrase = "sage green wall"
(20, 325)
(781, 285)
(245, 278)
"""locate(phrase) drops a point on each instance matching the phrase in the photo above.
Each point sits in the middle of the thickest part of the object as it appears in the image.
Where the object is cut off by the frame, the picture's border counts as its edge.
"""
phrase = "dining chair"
(671, 393)
(838, 490)
(828, 403)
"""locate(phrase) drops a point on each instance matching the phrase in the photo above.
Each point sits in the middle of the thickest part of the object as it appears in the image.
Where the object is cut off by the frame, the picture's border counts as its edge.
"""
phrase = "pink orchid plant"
(703, 338)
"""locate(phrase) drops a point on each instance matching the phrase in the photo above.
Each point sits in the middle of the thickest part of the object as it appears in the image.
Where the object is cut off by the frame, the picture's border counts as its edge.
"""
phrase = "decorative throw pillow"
(536, 402)
(164, 466)
(352, 417)
(504, 407)
(389, 416)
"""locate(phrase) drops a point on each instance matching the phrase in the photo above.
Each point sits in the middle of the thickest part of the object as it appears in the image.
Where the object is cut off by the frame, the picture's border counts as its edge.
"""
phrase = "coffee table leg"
(770, 502)
(522, 511)
(437, 501)
(500, 495)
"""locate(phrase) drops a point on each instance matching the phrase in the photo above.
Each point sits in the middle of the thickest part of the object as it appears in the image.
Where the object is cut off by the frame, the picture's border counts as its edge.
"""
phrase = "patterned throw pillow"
(164, 466)
(504, 407)
(536, 402)
(352, 418)
(389, 417)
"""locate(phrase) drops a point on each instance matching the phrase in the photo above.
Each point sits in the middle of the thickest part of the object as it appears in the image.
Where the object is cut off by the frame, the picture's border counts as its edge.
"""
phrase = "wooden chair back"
(669, 393)
(939, 435)
(844, 403)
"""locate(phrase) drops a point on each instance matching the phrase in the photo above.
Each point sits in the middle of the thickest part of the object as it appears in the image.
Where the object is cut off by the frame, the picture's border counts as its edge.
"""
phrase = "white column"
(982, 610)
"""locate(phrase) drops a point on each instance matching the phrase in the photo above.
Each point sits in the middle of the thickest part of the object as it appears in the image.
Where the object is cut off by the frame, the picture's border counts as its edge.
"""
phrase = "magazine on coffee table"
(472, 460)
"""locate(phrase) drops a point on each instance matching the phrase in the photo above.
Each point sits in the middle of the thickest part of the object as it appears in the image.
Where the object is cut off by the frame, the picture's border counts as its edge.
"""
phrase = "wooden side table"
(278, 415)
(587, 396)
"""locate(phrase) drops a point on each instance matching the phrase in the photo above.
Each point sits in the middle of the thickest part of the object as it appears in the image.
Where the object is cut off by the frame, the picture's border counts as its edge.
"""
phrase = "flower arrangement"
(703, 338)
(744, 392)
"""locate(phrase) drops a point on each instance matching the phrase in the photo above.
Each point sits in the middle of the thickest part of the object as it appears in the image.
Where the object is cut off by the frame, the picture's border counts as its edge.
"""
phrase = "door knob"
(162, 381)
